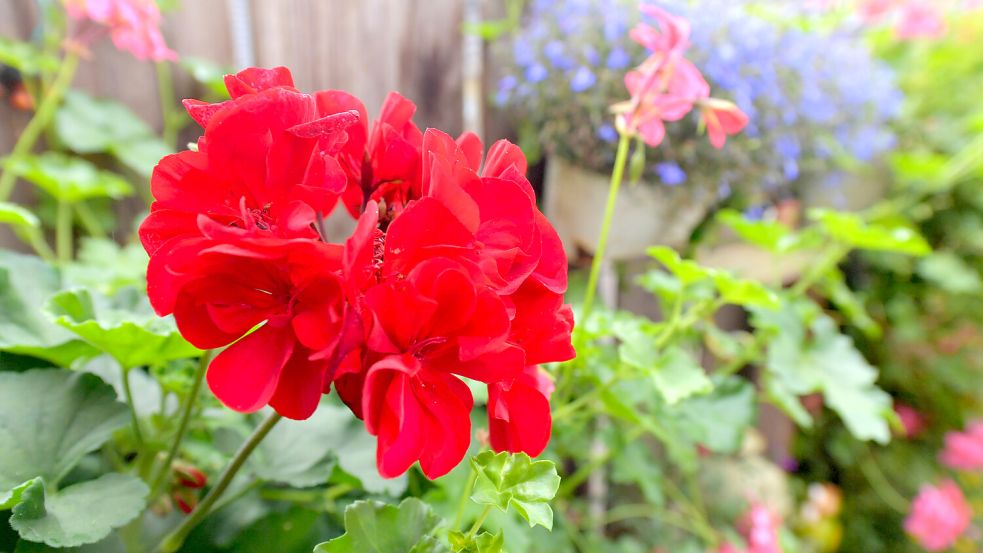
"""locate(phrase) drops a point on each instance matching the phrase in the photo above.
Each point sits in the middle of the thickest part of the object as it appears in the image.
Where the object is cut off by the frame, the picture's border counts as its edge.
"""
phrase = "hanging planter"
(647, 214)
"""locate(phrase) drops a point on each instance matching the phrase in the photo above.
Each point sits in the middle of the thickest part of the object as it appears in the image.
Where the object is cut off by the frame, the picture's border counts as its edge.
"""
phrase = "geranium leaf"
(79, 514)
(685, 270)
(26, 282)
(484, 542)
(514, 480)
(675, 372)
(18, 217)
(720, 418)
(823, 360)
(305, 453)
(87, 125)
(26, 57)
(11, 497)
(103, 265)
(49, 419)
(854, 231)
(374, 527)
(123, 326)
(741, 291)
(69, 179)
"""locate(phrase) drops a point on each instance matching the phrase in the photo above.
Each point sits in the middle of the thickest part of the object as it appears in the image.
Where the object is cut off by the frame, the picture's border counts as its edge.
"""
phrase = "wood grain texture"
(367, 47)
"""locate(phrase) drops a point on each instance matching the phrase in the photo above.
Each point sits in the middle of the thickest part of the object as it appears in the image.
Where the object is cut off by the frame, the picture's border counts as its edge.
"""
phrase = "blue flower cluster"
(812, 96)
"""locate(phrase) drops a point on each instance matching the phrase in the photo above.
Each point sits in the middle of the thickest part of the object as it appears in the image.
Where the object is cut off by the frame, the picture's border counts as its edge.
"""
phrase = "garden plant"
(230, 372)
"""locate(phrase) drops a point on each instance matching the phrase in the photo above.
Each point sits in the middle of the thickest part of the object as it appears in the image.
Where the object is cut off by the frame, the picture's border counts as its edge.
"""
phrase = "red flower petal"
(245, 375)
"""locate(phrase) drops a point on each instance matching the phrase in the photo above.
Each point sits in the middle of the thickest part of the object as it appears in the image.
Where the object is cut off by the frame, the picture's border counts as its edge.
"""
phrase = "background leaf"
(123, 326)
(79, 514)
(69, 179)
(26, 283)
(49, 419)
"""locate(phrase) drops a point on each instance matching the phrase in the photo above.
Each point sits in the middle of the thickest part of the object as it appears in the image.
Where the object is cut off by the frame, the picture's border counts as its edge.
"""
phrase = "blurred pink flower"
(964, 450)
(729, 548)
(873, 11)
(911, 419)
(671, 37)
(760, 529)
(919, 19)
(134, 25)
(939, 515)
(722, 119)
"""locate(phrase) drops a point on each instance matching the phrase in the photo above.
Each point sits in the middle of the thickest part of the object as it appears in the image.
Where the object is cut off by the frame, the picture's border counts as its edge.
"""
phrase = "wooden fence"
(367, 47)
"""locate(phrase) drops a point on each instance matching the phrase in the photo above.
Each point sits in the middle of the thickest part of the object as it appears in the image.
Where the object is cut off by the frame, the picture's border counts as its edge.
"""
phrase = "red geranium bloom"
(264, 165)
(519, 412)
(219, 290)
(383, 165)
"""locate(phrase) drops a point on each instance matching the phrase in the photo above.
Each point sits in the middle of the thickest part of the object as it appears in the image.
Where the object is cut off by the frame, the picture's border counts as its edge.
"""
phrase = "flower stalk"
(173, 541)
(46, 110)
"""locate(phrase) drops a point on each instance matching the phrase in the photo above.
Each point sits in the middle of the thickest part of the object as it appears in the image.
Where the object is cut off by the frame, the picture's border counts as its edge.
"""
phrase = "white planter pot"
(646, 214)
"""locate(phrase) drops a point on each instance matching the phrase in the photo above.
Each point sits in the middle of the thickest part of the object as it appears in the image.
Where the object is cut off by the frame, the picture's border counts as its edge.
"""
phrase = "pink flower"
(873, 11)
(722, 119)
(919, 20)
(911, 419)
(762, 534)
(674, 35)
(134, 25)
(964, 450)
(939, 515)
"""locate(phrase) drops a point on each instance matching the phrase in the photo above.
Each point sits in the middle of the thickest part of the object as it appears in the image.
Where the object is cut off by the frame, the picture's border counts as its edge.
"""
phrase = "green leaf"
(141, 154)
(12, 496)
(69, 179)
(484, 542)
(770, 235)
(26, 57)
(87, 125)
(79, 514)
(105, 266)
(740, 291)
(720, 418)
(207, 73)
(685, 270)
(123, 326)
(826, 361)
(835, 288)
(515, 480)
(298, 453)
(16, 216)
(49, 419)
(675, 372)
(949, 272)
(374, 527)
(26, 282)
(850, 229)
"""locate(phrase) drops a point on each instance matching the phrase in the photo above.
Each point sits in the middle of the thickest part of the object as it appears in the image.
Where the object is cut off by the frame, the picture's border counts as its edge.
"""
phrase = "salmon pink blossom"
(134, 25)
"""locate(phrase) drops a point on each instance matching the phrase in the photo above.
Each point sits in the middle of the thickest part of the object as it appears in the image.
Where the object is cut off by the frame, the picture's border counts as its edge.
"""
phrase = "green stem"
(617, 175)
(477, 524)
(165, 91)
(36, 240)
(463, 501)
(46, 110)
(173, 541)
(63, 231)
(186, 410)
(880, 484)
(89, 220)
(817, 270)
(137, 434)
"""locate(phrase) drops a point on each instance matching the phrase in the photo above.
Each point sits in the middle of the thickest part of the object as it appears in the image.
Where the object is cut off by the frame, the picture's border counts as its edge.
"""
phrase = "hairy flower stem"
(617, 175)
(465, 494)
(186, 410)
(173, 541)
(477, 524)
(134, 419)
(165, 92)
(46, 110)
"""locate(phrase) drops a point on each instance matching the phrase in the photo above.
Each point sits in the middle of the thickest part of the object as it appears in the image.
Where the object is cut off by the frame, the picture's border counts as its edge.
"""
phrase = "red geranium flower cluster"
(451, 272)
